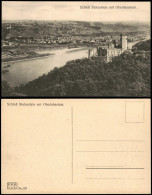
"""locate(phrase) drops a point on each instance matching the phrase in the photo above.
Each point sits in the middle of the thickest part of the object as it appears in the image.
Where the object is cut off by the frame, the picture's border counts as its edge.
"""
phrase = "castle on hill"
(110, 51)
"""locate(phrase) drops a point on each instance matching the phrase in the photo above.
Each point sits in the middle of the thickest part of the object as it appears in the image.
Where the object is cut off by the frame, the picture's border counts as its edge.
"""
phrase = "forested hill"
(127, 75)
(143, 45)
(39, 29)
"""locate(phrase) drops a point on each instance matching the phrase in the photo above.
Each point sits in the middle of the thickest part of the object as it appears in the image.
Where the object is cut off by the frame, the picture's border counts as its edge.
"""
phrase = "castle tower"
(123, 42)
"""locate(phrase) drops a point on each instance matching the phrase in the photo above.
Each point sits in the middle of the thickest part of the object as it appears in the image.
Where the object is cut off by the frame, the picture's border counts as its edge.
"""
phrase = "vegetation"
(127, 75)
(143, 45)
(6, 89)
(39, 29)
(19, 55)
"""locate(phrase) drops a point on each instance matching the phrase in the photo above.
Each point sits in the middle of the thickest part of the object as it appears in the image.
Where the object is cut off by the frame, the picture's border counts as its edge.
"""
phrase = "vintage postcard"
(75, 49)
(76, 146)
(64, 54)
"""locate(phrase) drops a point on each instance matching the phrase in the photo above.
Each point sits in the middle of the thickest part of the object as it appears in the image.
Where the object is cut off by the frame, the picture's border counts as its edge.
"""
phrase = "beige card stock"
(72, 146)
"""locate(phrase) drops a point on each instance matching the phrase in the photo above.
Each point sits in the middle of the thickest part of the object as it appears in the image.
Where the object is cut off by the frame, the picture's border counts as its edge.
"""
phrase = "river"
(24, 71)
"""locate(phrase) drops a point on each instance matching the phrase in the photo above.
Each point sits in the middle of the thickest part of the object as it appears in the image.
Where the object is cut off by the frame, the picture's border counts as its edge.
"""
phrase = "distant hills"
(77, 27)
(116, 27)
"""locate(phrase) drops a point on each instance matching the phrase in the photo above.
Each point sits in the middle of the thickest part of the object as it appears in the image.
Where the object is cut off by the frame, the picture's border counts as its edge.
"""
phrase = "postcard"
(75, 97)
(76, 49)
(76, 146)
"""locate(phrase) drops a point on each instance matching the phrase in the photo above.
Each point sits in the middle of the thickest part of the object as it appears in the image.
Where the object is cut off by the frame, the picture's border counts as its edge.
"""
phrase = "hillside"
(143, 45)
(38, 29)
(115, 27)
(127, 75)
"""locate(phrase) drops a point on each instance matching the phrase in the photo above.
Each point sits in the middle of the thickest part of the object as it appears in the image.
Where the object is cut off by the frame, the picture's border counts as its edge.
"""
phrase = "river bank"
(25, 70)
(21, 53)
(16, 59)
(26, 59)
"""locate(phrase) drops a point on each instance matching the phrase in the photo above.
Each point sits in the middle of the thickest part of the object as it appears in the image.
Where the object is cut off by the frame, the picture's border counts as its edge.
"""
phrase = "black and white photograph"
(75, 49)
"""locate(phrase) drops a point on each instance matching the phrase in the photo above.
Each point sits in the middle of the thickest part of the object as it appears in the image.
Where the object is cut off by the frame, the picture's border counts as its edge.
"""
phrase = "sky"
(45, 10)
